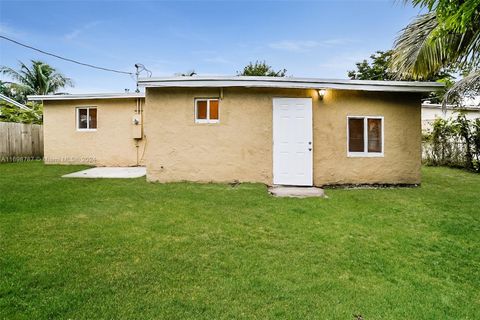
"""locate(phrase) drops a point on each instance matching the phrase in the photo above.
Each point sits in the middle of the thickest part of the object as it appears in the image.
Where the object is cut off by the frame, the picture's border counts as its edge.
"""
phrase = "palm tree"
(39, 78)
(448, 36)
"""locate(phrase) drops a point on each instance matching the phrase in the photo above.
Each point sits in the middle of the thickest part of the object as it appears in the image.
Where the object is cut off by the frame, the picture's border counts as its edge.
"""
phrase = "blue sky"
(320, 39)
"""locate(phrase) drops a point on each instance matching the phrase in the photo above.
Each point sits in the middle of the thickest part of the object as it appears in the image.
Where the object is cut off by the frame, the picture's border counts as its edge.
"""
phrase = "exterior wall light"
(321, 93)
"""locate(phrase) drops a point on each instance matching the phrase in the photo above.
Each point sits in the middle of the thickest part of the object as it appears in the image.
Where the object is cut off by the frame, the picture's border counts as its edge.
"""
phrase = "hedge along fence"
(454, 143)
(20, 141)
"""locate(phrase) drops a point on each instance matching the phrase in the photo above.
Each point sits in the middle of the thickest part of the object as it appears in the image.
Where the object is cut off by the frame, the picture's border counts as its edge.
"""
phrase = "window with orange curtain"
(213, 109)
(202, 110)
(207, 110)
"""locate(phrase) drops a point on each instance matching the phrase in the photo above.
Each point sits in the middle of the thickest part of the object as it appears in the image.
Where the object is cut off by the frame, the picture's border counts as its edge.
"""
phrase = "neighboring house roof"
(124, 95)
(450, 107)
(13, 102)
(288, 82)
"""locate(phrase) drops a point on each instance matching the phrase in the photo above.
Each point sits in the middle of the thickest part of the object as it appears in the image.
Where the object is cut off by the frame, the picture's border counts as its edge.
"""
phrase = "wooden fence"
(19, 141)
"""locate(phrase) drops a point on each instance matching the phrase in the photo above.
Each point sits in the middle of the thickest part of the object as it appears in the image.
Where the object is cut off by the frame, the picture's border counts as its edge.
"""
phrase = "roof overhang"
(289, 83)
(87, 96)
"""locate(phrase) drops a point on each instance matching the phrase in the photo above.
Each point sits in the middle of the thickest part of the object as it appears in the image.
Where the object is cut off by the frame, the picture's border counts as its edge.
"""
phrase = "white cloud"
(305, 45)
(289, 45)
(75, 33)
(338, 66)
(217, 59)
(337, 42)
(8, 31)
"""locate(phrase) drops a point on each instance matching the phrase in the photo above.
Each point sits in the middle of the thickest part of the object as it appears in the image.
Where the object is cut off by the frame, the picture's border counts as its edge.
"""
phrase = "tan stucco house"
(289, 131)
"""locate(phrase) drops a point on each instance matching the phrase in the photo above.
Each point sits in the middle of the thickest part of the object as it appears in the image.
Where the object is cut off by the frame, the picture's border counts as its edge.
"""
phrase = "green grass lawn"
(96, 249)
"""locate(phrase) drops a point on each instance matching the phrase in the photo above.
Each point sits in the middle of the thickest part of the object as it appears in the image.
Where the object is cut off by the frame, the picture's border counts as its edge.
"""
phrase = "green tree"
(38, 78)
(447, 36)
(261, 68)
(5, 90)
(11, 113)
(379, 68)
(375, 69)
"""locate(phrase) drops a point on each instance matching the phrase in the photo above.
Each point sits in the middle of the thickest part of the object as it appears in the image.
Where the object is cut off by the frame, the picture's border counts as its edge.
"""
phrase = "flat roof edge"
(293, 83)
(86, 96)
(295, 86)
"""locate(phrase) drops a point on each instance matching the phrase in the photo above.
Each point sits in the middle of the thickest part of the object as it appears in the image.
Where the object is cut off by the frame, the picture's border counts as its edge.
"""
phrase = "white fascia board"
(294, 83)
(385, 88)
(87, 96)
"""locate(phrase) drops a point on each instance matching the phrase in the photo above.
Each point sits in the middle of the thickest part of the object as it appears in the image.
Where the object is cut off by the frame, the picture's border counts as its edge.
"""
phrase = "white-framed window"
(86, 118)
(207, 110)
(365, 135)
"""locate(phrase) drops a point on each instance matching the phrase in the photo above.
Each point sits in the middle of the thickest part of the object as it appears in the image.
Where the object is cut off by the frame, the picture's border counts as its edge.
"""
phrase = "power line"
(66, 59)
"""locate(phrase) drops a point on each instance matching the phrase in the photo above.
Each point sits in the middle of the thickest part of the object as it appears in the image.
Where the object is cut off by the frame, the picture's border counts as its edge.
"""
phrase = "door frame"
(310, 105)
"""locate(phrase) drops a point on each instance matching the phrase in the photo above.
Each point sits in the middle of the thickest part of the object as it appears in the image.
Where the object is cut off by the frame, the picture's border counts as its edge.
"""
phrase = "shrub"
(454, 143)
(10, 113)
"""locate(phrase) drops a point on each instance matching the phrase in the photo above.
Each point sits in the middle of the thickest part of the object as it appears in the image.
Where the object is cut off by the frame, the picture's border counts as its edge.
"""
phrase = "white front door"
(292, 141)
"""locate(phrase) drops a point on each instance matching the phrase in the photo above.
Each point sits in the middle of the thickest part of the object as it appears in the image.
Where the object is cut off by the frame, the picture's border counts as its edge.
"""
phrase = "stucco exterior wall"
(239, 147)
(110, 145)
(236, 148)
(401, 163)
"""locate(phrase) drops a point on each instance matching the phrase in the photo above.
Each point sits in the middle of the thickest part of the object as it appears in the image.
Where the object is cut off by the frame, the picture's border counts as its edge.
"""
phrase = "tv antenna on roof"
(140, 68)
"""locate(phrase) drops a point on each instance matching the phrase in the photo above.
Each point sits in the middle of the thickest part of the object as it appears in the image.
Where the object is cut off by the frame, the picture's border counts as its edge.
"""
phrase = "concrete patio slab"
(109, 172)
(296, 192)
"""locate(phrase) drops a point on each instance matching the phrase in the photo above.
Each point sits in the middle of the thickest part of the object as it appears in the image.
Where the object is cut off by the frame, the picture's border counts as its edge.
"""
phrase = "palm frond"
(20, 88)
(38, 77)
(471, 58)
(424, 48)
(417, 54)
(468, 87)
(11, 73)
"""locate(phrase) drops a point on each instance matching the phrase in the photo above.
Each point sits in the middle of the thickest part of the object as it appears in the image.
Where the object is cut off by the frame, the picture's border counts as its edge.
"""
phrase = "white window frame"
(365, 137)
(208, 120)
(77, 118)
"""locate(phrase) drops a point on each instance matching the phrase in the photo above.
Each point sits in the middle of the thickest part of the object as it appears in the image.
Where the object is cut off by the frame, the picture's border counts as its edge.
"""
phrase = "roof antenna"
(140, 68)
